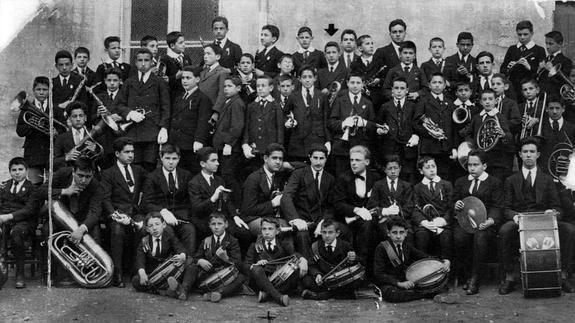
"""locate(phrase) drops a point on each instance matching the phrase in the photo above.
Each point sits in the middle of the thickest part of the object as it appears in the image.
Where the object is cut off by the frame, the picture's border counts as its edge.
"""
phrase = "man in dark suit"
(549, 80)
(189, 127)
(461, 66)
(335, 71)
(122, 185)
(18, 213)
(166, 191)
(267, 57)
(175, 61)
(555, 130)
(389, 54)
(416, 80)
(145, 101)
(232, 52)
(531, 190)
(66, 83)
(348, 46)
(472, 249)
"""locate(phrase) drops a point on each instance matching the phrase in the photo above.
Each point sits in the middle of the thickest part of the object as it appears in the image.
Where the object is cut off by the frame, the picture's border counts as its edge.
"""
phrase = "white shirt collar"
(525, 171)
(313, 171)
(426, 181)
(248, 77)
(401, 101)
(389, 181)
(481, 177)
(267, 50)
(146, 76)
(461, 57)
(396, 46)
(333, 244)
(40, 105)
(78, 132)
(310, 49)
(111, 61)
(222, 42)
(62, 78)
(173, 54)
(268, 173)
(166, 176)
(437, 60)
(529, 45)
(272, 242)
(437, 96)
(121, 166)
(560, 122)
(207, 177)
(216, 64)
(367, 60)
(458, 102)
(491, 113)
(334, 65)
(113, 93)
(268, 98)
(18, 185)
(403, 66)
(555, 54)
(304, 91)
(364, 174)
(351, 95)
(221, 237)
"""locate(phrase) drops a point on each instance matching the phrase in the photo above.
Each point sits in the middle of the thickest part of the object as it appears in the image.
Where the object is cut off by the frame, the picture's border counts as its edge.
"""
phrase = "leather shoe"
(506, 287)
(308, 294)
(20, 282)
(118, 281)
(215, 297)
(284, 300)
(262, 297)
(472, 286)
(566, 287)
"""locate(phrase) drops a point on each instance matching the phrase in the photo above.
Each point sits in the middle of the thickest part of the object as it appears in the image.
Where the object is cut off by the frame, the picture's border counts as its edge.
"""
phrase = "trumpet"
(375, 213)
(461, 114)
(350, 132)
(40, 120)
(432, 128)
(106, 118)
(333, 89)
(125, 126)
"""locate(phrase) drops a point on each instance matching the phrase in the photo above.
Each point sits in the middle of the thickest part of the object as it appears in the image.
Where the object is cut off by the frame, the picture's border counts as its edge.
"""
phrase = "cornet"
(89, 147)
(432, 128)
(125, 126)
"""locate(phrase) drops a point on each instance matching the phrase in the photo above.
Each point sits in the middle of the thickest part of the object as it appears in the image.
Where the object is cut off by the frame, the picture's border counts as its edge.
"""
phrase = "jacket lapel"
(121, 179)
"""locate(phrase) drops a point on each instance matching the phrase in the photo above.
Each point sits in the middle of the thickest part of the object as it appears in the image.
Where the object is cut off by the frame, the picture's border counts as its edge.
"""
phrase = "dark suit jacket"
(91, 77)
(546, 195)
(108, 136)
(477, 89)
(343, 108)
(189, 120)
(257, 195)
(156, 195)
(62, 145)
(536, 55)
(552, 138)
(264, 125)
(442, 200)
(170, 246)
(257, 252)
(490, 192)
(510, 110)
(232, 55)
(268, 63)
(152, 96)
(553, 84)
(345, 198)
(453, 62)
(375, 69)
(441, 114)
(342, 60)
(230, 125)
(315, 59)
(325, 77)
(117, 195)
(385, 273)
(323, 262)
(207, 251)
(567, 198)
(89, 200)
(382, 197)
(311, 123)
(505, 144)
(302, 200)
(172, 68)
(416, 80)
(61, 94)
(429, 67)
(212, 84)
(21, 204)
(200, 193)
(401, 126)
(125, 68)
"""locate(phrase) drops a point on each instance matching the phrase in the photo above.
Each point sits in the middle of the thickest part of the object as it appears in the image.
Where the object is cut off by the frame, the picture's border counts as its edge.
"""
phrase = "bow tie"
(359, 177)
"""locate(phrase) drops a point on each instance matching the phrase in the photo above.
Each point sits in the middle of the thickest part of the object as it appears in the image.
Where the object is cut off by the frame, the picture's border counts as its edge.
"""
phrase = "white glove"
(413, 141)
(162, 136)
(328, 146)
(363, 213)
(453, 153)
(248, 151)
(347, 123)
(361, 122)
(439, 222)
(197, 146)
(227, 150)
(169, 217)
(392, 210)
(317, 231)
(289, 123)
(240, 223)
(135, 116)
(300, 224)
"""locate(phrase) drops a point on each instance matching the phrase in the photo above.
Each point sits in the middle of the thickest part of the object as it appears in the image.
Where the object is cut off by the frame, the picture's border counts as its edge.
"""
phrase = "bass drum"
(427, 275)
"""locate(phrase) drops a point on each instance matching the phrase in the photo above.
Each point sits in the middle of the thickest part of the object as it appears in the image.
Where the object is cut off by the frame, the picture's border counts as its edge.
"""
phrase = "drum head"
(472, 215)
(423, 273)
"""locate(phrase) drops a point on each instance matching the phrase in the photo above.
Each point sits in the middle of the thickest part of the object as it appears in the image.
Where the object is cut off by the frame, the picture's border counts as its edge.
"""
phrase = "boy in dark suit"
(145, 101)
(550, 82)
(531, 190)
(463, 102)
(114, 51)
(175, 61)
(307, 54)
(151, 43)
(122, 184)
(416, 79)
(17, 214)
(81, 59)
(532, 107)
(390, 54)
(461, 66)
(155, 248)
(472, 249)
(392, 257)
(267, 248)
(189, 119)
(213, 76)
(66, 83)
(505, 104)
(216, 252)
(335, 71)
(436, 63)
(555, 130)
(231, 52)
(166, 191)
(246, 73)
(268, 56)
(522, 60)
(328, 253)
(433, 212)
(352, 116)
(371, 69)
(348, 46)
(37, 143)
(309, 110)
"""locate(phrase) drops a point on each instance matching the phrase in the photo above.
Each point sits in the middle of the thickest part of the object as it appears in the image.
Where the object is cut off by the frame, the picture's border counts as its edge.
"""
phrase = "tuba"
(88, 263)
(487, 135)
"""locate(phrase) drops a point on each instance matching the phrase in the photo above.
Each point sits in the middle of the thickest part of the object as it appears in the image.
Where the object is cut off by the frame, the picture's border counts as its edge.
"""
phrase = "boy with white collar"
(114, 51)
(555, 129)
(307, 54)
(175, 60)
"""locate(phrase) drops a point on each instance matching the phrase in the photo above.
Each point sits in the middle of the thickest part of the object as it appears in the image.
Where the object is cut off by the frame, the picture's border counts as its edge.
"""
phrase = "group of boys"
(212, 204)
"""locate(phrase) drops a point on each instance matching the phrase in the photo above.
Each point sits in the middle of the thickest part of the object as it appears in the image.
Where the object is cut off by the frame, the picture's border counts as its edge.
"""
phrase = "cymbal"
(473, 214)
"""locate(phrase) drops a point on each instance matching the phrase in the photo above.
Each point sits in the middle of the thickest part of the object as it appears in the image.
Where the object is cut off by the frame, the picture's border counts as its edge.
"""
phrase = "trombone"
(526, 117)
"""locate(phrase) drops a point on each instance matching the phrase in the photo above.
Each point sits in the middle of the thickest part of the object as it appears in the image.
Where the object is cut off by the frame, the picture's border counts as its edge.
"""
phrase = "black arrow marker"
(331, 30)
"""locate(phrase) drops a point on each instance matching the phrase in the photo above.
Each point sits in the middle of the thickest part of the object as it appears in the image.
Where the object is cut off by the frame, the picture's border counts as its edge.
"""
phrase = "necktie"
(438, 63)
(64, 82)
(486, 83)
(475, 186)
(523, 48)
(355, 100)
(400, 252)
(330, 249)
(555, 125)
(262, 103)
(549, 58)
(142, 79)
(270, 246)
(211, 181)
(406, 69)
(331, 68)
(14, 190)
(348, 61)
(157, 249)
(399, 113)
(180, 60)
(111, 96)
(272, 186)
(528, 179)
(316, 180)
(359, 177)
(219, 43)
(218, 242)
(438, 98)
(432, 187)
(531, 104)
(305, 55)
(171, 182)
(308, 97)
(129, 177)
(392, 186)
(115, 64)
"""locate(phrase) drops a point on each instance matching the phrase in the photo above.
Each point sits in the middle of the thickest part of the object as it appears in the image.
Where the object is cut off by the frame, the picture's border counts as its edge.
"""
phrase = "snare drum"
(284, 272)
(427, 275)
(540, 255)
(344, 277)
(158, 279)
(217, 281)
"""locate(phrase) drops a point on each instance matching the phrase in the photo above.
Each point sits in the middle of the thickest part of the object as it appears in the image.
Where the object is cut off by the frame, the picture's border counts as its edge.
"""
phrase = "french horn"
(487, 134)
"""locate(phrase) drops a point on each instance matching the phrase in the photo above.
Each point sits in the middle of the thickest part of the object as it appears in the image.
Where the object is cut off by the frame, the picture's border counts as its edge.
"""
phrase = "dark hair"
(172, 38)
(502, 76)
(274, 147)
(362, 150)
(234, 79)
(422, 160)
(17, 161)
(109, 40)
(524, 24)
(62, 54)
(144, 51)
(169, 148)
(354, 74)
(75, 106)
(408, 44)
(396, 221)
(147, 39)
(486, 91)
(485, 53)
(308, 68)
(316, 147)
(391, 159)
(464, 35)
(265, 77)
(82, 50)
(461, 84)
(304, 29)
(270, 221)
(436, 39)
(555, 99)
(361, 39)
(217, 215)
(331, 44)
(119, 144)
(528, 80)
(153, 215)
(530, 141)
(84, 164)
(41, 80)
(400, 79)
(274, 30)
(348, 32)
(196, 70)
(116, 71)
(203, 154)
(482, 155)
(396, 22)
(250, 56)
(221, 19)
(217, 49)
(328, 222)
(284, 77)
(436, 74)
(557, 36)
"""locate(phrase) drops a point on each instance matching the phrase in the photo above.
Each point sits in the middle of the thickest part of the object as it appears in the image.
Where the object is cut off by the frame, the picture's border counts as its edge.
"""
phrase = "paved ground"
(37, 304)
